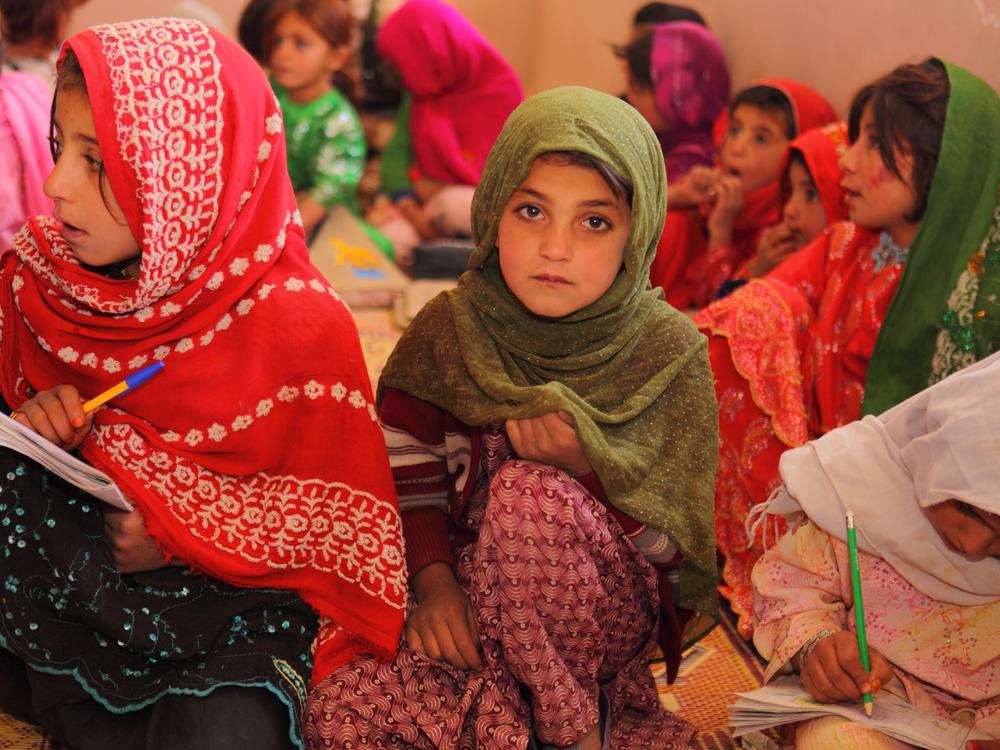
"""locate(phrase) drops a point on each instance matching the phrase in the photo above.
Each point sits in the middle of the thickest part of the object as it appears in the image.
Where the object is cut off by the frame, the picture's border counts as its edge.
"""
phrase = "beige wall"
(834, 46)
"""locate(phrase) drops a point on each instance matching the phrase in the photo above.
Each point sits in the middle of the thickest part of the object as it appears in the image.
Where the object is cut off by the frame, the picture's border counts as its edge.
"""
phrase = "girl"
(308, 46)
(811, 194)
(921, 480)
(192, 621)
(461, 91)
(678, 80)
(717, 214)
(872, 311)
(550, 426)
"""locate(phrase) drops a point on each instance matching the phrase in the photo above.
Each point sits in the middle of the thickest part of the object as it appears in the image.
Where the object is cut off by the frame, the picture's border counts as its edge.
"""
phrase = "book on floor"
(785, 701)
(29, 443)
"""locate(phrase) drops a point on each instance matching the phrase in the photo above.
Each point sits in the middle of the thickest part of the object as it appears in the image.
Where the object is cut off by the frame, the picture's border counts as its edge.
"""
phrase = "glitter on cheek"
(882, 177)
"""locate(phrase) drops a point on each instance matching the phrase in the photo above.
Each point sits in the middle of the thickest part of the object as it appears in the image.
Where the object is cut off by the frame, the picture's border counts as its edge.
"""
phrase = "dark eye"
(528, 211)
(55, 148)
(598, 222)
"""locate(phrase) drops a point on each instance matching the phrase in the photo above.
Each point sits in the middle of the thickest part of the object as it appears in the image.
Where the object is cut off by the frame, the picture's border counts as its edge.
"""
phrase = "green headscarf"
(632, 371)
(946, 312)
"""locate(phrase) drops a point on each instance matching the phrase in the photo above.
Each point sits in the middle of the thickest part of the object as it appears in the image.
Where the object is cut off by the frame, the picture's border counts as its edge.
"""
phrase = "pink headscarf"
(691, 84)
(462, 88)
(25, 103)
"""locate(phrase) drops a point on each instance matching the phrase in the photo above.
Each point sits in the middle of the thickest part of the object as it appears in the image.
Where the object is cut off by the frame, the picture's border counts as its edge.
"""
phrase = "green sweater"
(326, 148)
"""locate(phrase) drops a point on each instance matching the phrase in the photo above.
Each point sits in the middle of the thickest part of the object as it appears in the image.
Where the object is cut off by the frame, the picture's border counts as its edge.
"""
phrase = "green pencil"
(859, 607)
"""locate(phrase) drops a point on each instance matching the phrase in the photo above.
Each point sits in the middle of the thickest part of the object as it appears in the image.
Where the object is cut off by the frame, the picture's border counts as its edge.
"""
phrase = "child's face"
(754, 146)
(93, 224)
(966, 529)
(561, 238)
(803, 211)
(302, 61)
(875, 197)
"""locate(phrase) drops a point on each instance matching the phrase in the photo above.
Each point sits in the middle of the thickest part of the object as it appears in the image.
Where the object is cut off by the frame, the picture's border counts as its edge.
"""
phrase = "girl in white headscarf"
(923, 481)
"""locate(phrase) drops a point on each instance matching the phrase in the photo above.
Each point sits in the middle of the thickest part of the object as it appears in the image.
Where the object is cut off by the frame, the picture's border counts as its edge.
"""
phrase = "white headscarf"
(941, 444)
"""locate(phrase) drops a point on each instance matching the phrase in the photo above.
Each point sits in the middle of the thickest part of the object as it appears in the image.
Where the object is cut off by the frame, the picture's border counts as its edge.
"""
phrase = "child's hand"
(131, 550)
(549, 439)
(443, 626)
(776, 244)
(694, 188)
(426, 188)
(728, 193)
(833, 672)
(57, 415)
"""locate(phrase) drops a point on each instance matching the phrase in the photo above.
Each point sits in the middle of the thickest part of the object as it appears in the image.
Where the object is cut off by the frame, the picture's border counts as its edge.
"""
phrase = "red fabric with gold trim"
(789, 353)
(255, 456)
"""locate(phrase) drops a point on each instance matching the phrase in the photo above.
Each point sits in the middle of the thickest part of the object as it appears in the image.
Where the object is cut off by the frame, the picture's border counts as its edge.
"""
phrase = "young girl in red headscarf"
(265, 542)
(716, 214)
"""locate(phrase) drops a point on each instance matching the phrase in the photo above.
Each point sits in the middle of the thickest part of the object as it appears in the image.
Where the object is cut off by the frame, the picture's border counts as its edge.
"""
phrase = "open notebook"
(784, 701)
(61, 463)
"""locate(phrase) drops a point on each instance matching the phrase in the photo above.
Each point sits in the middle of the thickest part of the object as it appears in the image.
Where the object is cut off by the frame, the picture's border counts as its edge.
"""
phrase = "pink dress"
(560, 596)
(946, 657)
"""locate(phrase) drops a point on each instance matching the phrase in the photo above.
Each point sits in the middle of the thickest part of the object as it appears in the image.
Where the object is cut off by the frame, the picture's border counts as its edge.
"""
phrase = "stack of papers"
(785, 701)
(61, 463)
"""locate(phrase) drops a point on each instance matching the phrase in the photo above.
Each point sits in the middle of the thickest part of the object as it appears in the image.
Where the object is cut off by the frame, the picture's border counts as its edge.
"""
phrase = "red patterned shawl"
(255, 456)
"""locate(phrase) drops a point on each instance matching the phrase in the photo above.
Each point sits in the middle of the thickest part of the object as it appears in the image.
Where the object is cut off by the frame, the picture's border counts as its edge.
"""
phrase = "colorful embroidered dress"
(810, 347)
(326, 148)
(931, 611)
(558, 570)
(256, 460)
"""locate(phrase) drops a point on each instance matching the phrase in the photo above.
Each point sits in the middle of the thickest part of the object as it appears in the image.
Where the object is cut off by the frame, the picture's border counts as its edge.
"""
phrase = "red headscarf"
(462, 88)
(821, 149)
(810, 109)
(255, 456)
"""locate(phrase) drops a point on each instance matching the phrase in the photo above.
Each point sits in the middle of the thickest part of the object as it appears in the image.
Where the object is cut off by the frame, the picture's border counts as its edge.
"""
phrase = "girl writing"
(921, 481)
(875, 309)
(253, 561)
(551, 429)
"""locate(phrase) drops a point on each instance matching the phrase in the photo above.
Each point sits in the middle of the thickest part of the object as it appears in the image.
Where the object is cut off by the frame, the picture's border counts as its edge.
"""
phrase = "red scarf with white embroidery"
(255, 456)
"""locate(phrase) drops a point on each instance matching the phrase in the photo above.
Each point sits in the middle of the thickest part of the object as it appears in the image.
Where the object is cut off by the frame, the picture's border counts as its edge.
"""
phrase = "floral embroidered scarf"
(255, 456)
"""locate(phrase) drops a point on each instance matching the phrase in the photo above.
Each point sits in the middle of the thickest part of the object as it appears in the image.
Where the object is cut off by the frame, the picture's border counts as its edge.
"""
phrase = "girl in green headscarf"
(871, 312)
(551, 425)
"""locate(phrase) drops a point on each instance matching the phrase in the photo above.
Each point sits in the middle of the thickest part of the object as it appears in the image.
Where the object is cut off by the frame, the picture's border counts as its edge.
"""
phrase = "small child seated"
(812, 198)
(717, 214)
(308, 46)
(551, 429)
(199, 618)
(921, 481)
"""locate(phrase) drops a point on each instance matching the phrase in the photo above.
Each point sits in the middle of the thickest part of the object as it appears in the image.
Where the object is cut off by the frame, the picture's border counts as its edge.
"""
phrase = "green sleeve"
(398, 155)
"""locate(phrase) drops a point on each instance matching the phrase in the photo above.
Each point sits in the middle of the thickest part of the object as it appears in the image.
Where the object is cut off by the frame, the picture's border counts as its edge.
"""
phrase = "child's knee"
(536, 499)
(835, 732)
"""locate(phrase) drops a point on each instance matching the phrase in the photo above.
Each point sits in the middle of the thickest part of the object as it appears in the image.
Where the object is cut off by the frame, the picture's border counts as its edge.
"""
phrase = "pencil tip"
(868, 710)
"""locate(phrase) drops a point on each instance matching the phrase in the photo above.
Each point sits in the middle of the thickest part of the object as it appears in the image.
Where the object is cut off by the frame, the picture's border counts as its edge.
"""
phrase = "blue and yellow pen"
(859, 608)
(128, 383)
